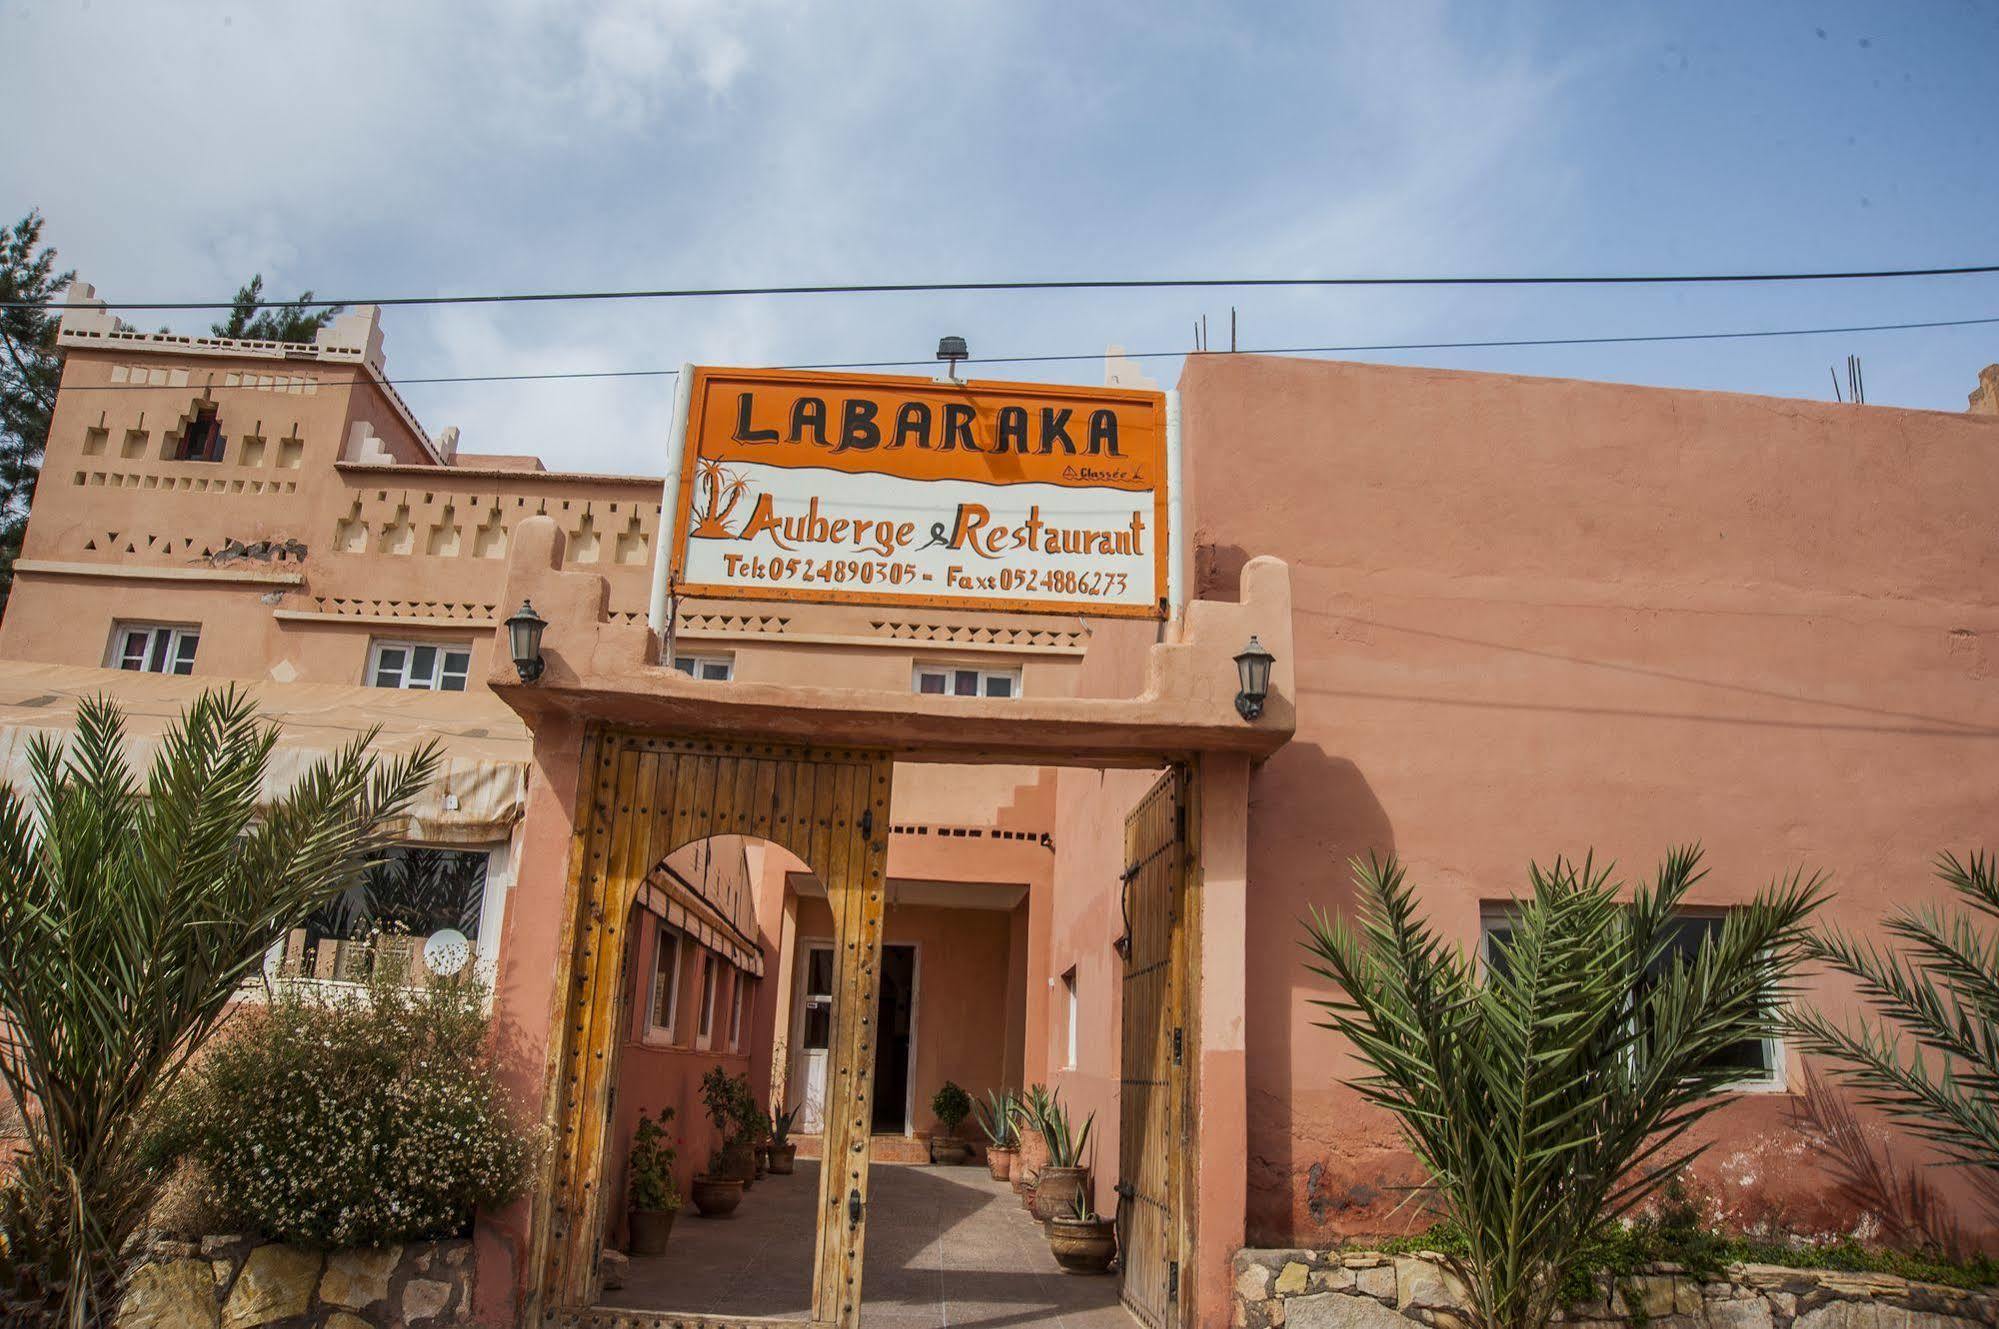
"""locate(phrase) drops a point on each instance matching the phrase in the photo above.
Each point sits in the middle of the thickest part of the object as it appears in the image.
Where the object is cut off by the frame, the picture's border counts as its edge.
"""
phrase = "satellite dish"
(446, 951)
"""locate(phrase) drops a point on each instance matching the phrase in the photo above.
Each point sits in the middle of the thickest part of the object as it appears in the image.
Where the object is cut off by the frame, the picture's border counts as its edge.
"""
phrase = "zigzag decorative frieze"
(342, 606)
(963, 634)
(762, 624)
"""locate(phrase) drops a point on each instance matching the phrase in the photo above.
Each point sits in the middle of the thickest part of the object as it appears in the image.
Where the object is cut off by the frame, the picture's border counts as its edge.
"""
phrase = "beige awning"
(476, 798)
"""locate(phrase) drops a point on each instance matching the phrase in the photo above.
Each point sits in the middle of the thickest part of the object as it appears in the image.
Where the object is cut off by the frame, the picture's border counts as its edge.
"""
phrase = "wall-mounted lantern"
(1252, 667)
(524, 640)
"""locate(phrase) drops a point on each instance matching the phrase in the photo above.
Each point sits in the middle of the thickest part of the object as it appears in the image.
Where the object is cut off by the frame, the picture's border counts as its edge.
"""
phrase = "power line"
(1355, 349)
(1064, 284)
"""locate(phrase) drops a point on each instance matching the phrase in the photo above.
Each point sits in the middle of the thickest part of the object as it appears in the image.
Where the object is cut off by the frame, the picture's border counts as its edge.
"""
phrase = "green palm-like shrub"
(134, 904)
(1549, 1091)
(1930, 1057)
(997, 1113)
(333, 1119)
(1067, 1147)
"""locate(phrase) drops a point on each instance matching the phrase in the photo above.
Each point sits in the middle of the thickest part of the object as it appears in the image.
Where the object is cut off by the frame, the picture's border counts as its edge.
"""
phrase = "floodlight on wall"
(951, 350)
(1252, 667)
(524, 640)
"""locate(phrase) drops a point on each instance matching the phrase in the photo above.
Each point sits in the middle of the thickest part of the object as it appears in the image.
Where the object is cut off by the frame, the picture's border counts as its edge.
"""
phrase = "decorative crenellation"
(1307, 1289)
(967, 832)
(194, 484)
(437, 523)
(966, 634)
(243, 1281)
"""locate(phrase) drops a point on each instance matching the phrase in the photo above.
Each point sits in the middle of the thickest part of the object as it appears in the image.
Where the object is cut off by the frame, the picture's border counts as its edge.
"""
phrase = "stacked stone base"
(1303, 1289)
(245, 1283)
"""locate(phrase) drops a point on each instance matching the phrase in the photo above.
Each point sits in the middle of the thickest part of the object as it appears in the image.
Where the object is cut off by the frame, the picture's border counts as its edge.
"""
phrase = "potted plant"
(997, 1112)
(1029, 1110)
(751, 1128)
(952, 1105)
(1066, 1176)
(1082, 1241)
(650, 1192)
(731, 1159)
(783, 1153)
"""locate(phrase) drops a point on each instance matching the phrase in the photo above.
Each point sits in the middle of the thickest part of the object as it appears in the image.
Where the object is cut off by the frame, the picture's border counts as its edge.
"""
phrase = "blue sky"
(387, 148)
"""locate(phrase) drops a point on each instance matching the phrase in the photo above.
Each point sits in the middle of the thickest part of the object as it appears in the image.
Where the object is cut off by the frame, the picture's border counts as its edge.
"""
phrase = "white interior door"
(815, 1037)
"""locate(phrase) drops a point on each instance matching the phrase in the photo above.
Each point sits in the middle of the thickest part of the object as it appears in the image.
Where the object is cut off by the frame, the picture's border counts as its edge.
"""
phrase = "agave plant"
(132, 909)
(1033, 1107)
(996, 1112)
(1930, 1059)
(1067, 1147)
(1550, 1089)
(781, 1122)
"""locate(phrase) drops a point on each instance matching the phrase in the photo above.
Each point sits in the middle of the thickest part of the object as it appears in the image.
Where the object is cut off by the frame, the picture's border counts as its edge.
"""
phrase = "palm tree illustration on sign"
(717, 491)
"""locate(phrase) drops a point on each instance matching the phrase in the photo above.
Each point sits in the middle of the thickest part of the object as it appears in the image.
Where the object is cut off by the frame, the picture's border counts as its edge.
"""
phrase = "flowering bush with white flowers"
(342, 1118)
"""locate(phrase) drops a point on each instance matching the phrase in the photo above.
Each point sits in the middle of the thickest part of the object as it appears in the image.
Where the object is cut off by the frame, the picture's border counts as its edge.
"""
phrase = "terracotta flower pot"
(949, 1151)
(716, 1197)
(1000, 1161)
(1083, 1245)
(783, 1157)
(1056, 1189)
(649, 1228)
(1033, 1157)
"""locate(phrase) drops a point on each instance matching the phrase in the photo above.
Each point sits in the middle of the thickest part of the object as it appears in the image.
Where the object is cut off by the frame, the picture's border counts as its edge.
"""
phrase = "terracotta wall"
(1538, 617)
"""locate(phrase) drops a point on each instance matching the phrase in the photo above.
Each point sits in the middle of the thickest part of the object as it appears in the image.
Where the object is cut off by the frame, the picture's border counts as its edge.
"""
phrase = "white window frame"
(741, 990)
(950, 674)
(181, 640)
(707, 668)
(1072, 1008)
(408, 645)
(666, 941)
(1772, 1080)
(704, 1019)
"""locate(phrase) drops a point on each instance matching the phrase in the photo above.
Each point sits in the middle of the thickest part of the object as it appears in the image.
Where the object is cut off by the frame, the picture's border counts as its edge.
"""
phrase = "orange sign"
(872, 489)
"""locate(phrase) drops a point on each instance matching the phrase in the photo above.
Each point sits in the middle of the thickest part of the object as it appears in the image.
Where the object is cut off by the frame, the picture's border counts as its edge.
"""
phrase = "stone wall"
(244, 1283)
(1303, 1289)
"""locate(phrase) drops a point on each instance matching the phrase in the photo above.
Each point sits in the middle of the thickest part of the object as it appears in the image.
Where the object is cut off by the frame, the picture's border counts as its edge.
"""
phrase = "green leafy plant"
(997, 1112)
(718, 1096)
(651, 1185)
(1067, 1147)
(1081, 1210)
(329, 1119)
(1930, 1056)
(1033, 1107)
(132, 909)
(1549, 1091)
(952, 1105)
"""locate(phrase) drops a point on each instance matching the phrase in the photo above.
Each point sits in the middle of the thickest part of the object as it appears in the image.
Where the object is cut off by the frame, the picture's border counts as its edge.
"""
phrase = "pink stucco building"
(1512, 618)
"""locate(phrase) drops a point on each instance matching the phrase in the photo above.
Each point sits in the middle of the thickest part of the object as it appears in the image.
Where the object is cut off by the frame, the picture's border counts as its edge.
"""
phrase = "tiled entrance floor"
(946, 1247)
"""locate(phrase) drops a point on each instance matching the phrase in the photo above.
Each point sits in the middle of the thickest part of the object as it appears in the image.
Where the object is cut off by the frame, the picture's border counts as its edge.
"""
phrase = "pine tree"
(30, 370)
(292, 322)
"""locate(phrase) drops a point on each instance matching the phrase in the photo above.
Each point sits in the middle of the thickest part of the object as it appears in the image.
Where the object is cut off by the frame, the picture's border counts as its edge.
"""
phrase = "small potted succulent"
(1081, 1241)
(783, 1153)
(1029, 1110)
(1067, 1175)
(998, 1112)
(650, 1193)
(952, 1105)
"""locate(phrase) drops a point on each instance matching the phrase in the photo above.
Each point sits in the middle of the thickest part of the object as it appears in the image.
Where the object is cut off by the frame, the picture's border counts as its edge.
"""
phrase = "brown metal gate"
(1154, 1099)
(646, 795)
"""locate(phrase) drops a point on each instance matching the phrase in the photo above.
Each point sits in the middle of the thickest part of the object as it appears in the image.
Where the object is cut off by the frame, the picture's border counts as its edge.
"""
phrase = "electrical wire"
(1353, 349)
(1059, 284)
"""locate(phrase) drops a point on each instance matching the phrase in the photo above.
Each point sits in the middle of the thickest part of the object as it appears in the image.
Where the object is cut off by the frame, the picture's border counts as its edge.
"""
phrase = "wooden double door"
(1155, 1088)
(641, 797)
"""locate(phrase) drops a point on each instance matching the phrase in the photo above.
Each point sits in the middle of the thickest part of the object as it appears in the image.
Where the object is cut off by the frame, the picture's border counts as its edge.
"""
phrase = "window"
(1070, 1006)
(711, 668)
(704, 1030)
(958, 681)
(154, 648)
(201, 438)
(1758, 1059)
(744, 987)
(424, 665)
(664, 1004)
(415, 896)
